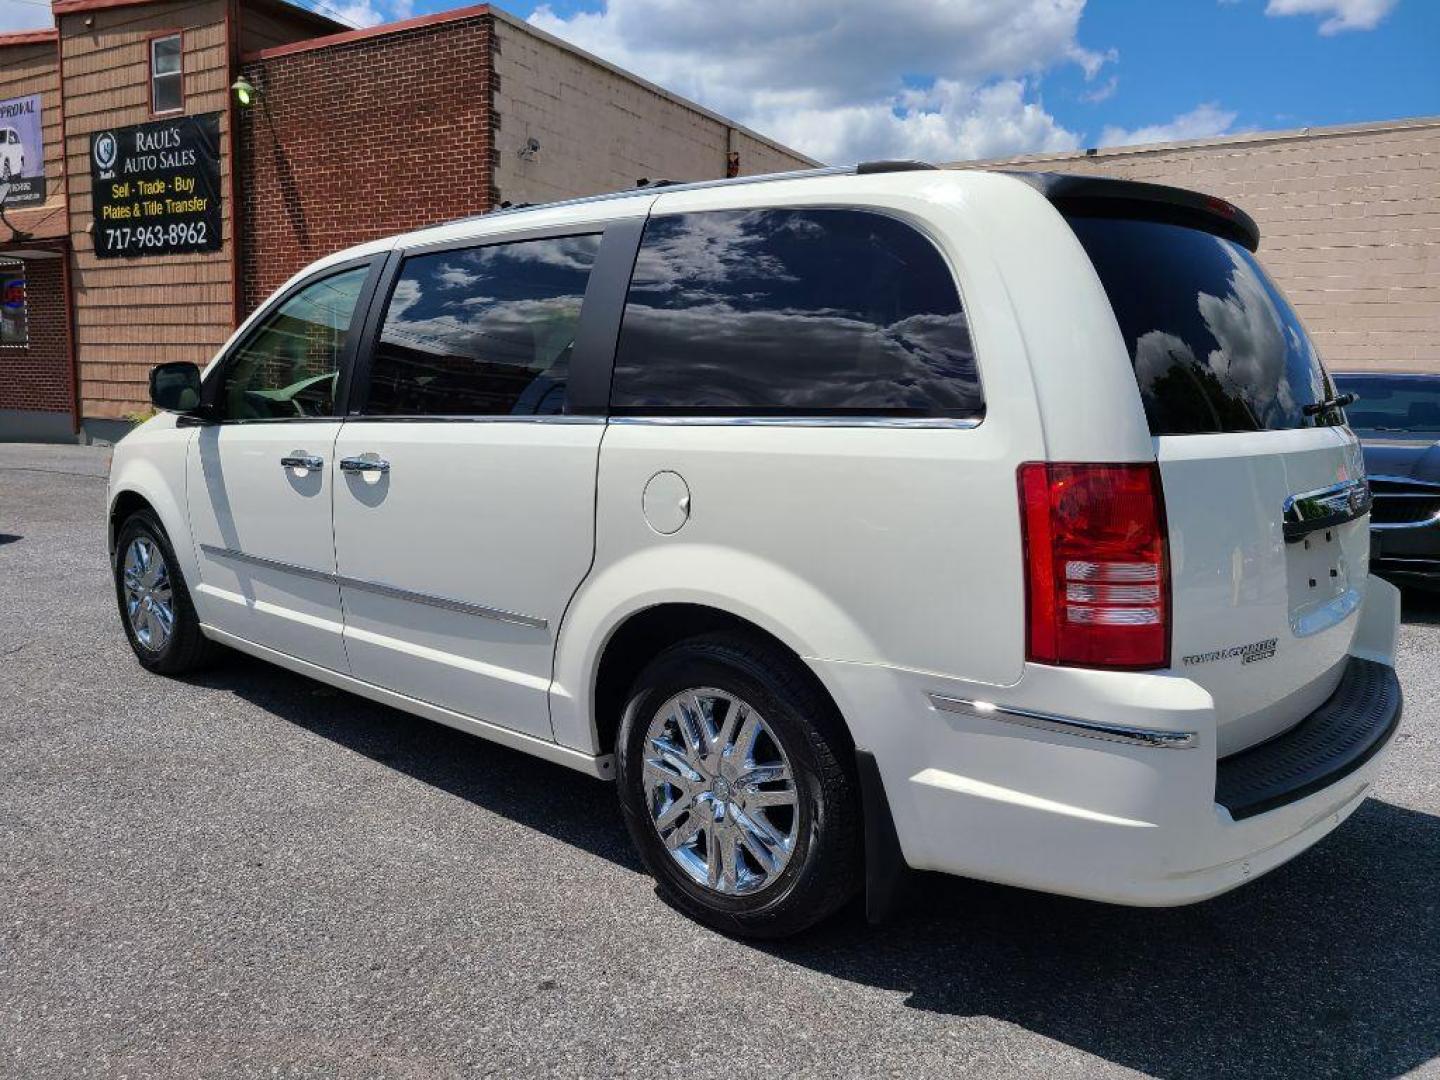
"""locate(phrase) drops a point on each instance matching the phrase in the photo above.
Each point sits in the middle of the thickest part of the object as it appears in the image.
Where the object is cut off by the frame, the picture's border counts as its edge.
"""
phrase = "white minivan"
(1005, 525)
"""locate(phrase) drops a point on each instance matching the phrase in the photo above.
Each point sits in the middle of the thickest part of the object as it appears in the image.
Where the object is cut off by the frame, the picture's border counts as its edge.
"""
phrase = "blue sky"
(948, 80)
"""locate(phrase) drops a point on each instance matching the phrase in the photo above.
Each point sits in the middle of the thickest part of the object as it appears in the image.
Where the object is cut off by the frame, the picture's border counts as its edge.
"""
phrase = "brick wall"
(360, 139)
(601, 129)
(377, 132)
(37, 376)
(1349, 224)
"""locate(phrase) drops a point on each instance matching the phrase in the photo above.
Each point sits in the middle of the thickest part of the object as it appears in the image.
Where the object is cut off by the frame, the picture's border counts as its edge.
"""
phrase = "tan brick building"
(1349, 224)
(353, 134)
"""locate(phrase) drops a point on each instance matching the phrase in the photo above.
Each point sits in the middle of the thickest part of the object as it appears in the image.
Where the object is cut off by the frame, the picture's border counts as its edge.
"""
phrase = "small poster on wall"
(22, 156)
(156, 187)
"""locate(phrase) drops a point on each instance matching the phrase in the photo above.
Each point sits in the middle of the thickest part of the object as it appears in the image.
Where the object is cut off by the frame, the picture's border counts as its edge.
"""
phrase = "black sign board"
(156, 187)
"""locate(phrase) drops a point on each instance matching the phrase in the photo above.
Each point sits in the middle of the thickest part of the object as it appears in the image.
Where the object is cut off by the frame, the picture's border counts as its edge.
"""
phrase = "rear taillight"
(1097, 575)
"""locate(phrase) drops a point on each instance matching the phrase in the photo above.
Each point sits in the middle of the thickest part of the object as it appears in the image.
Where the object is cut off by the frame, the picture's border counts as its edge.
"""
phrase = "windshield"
(1393, 403)
(1214, 344)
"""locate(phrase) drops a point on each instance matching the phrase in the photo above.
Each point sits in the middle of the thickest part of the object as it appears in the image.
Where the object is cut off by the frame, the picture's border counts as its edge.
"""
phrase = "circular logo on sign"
(107, 149)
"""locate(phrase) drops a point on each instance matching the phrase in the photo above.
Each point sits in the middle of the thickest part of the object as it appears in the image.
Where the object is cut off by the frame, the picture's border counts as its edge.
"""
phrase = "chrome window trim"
(964, 423)
(379, 588)
(1065, 725)
(498, 418)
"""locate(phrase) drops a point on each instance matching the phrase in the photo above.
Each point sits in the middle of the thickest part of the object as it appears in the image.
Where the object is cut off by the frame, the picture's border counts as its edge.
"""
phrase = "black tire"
(826, 862)
(186, 648)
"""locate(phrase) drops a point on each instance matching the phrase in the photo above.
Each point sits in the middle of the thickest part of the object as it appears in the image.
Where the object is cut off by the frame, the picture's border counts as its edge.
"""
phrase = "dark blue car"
(1397, 418)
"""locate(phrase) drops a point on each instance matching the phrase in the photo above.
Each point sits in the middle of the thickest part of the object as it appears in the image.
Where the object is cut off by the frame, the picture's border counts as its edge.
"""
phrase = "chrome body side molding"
(964, 423)
(480, 611)
(600, 766)
(1065, 725)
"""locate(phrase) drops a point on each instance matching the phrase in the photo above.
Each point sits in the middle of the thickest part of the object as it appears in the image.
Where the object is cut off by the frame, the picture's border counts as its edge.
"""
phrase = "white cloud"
(1102, 93)
(362, 13)
(24, 16)
(1201, 122)
(1343, 14)
(938, 79)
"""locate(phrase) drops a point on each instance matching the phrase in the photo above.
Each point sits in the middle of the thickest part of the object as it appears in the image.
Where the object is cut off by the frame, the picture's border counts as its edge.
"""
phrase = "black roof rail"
(688, 185)
(865, 168)
(646, 182)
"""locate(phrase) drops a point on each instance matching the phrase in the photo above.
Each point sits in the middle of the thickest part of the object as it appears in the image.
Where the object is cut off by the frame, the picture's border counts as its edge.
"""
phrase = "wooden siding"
(132, 313)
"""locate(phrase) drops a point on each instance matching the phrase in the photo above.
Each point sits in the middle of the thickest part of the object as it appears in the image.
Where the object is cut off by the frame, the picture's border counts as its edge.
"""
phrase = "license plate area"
(1318, 572)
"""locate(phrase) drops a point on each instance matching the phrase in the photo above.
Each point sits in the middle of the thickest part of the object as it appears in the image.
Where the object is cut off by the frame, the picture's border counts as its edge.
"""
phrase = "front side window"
(289, 364)
(167, 76)
(483, 331)
(793, 313)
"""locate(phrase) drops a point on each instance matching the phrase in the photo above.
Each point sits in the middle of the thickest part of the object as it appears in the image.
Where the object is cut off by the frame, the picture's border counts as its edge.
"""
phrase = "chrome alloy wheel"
(720, 791)
(149, 601)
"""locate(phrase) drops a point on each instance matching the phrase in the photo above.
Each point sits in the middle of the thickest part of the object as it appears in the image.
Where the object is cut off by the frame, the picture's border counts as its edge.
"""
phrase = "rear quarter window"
(793, 313)
(1214, 344)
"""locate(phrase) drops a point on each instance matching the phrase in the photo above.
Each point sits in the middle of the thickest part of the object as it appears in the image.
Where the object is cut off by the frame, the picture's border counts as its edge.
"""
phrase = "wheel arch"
(139, 484)
(123, 506)
(642, 634)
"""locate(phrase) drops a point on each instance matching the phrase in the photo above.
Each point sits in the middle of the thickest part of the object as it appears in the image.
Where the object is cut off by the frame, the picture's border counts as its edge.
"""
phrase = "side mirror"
(175, 387)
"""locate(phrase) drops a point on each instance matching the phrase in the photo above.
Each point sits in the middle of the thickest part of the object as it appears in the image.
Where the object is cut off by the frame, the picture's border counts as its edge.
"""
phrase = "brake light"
(1097, 575)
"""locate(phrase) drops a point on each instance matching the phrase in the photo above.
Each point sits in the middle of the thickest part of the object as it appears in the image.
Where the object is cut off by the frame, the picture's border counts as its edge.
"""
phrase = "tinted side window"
(1214, 344)
(793, 312)
(288, 364)
(482, 332)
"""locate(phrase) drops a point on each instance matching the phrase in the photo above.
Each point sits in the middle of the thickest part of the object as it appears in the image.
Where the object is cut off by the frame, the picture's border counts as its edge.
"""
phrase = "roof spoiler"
(1101, 196)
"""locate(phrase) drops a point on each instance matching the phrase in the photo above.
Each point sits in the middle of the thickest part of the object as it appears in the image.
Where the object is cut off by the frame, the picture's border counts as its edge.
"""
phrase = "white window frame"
(178, 74)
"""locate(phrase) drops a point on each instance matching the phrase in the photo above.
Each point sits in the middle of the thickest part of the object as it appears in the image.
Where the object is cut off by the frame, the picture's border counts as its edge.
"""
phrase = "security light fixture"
(529, 150)
(245, 92)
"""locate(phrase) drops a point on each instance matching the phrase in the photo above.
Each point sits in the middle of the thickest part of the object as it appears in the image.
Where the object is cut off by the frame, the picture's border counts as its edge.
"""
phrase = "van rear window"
(1215, 346)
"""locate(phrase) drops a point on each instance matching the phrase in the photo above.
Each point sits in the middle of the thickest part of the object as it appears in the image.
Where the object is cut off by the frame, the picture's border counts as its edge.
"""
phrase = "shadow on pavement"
(1329, 966)
(549, 798)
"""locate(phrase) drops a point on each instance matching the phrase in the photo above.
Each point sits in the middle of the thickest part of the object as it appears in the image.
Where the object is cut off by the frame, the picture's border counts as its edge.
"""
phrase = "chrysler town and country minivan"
(998, 524)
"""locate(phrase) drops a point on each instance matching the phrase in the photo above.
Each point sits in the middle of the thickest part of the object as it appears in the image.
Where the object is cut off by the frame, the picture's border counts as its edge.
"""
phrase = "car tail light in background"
(1097, 574)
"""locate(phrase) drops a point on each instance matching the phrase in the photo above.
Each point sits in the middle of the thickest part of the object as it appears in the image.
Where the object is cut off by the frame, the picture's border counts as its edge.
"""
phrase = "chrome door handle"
(364, 463)
(302, 461)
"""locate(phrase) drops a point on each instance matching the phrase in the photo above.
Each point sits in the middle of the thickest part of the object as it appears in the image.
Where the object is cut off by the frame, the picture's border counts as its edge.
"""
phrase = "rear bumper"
(1337, 739)
(1132, 822)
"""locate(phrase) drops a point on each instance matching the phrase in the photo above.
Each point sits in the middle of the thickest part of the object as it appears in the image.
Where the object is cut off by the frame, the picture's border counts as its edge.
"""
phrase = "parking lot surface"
(249, 874)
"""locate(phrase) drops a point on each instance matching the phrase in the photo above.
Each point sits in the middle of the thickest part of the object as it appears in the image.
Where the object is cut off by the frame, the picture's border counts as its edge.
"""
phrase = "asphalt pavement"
(247, 874)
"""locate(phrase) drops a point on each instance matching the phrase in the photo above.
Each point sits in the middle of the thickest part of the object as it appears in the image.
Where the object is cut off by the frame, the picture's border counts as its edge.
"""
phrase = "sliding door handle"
(364, 463)
(301, 461)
